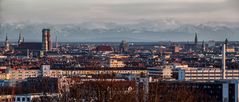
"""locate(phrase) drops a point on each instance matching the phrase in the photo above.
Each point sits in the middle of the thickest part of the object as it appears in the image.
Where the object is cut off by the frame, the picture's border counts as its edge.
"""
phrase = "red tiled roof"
(31, 45)
(104, 48)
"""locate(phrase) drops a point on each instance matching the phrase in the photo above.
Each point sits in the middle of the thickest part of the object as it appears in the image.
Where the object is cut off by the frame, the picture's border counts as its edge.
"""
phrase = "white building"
(160, 72)
(45, 70)
(25, 98)
(206, 73)
(31, 97)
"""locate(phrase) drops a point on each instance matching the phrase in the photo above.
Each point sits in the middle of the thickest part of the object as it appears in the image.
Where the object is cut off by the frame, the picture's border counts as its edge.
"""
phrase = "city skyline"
(107, 20)
(145, 31)
(119, 51)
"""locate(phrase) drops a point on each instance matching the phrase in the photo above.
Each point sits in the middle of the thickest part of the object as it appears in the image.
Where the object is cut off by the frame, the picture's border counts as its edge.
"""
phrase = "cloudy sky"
(74, 11)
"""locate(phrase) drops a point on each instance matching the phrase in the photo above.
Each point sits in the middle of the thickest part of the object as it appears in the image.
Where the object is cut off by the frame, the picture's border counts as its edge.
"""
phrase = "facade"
(208, 73)
(32, 46)
(46, 40)
(23, 74)
(29, 49)
(46, 84)
(88, 71)
(31, 97)
(230, 49)
(113, 63)
(160, 72)
(4, 76)
(45, 71)
(104, 49)
(25, 98)
(118, 56)
(205, 74)
(7, 98)
(220, 90)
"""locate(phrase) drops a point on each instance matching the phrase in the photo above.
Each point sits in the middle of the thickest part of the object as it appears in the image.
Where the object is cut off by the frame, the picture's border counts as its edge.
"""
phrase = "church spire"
(196, 39)
(6, 40)
(20, 38)
(56, 42)
(7, 46)
(203, 46)
(226, 41)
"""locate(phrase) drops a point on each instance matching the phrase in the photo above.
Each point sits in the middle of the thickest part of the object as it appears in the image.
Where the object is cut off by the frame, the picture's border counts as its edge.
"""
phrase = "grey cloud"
(190, 11)
(150, 8)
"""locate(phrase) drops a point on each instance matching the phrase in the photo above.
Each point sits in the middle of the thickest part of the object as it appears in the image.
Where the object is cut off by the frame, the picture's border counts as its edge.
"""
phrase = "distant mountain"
(142, 30)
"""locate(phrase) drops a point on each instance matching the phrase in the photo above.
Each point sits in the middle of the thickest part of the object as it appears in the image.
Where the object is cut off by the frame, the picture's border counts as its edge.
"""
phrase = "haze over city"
(115, 20)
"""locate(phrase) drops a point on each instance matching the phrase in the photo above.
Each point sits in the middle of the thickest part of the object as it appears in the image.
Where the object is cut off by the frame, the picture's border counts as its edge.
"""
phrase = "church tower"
(196, 39)
(20, 39)
(7, 45)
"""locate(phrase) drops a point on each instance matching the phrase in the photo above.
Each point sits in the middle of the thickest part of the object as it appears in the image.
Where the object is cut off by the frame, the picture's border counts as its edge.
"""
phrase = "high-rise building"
(46, 40)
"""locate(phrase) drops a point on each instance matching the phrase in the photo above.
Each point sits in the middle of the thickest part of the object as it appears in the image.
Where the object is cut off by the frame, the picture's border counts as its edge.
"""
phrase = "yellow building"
(118, 56)
(113, 63)
(230, 50)
(6, 98)
(23, 74)
(104, 71)
(4, 76)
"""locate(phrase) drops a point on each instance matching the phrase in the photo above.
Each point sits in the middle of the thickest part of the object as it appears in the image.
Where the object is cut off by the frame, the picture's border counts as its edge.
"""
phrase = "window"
(23, 99)
(28, 99)
(18, 99)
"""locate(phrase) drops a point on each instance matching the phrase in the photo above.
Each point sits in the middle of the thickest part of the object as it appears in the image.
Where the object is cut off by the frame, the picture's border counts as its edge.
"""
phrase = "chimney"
(224, 61)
